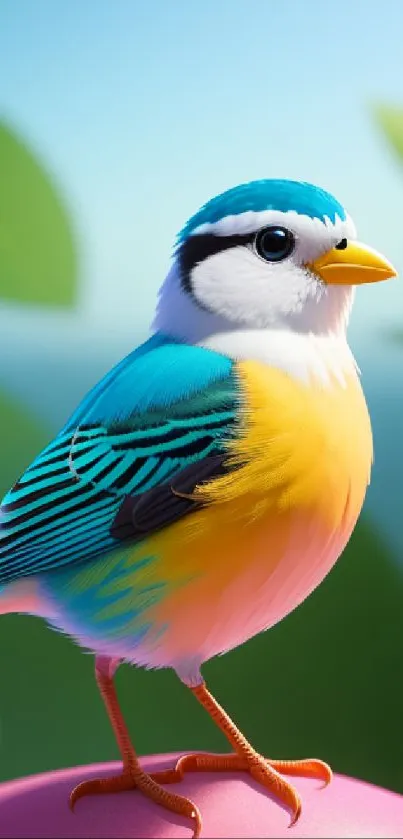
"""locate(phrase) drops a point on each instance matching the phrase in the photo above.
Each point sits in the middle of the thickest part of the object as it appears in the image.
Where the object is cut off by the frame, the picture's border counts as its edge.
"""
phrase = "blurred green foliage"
(38, 262)
(390, 120)
(22, 438)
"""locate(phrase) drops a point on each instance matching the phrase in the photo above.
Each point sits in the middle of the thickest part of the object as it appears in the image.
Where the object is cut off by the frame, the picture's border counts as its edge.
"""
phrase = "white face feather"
(308, 228)
(237, 289)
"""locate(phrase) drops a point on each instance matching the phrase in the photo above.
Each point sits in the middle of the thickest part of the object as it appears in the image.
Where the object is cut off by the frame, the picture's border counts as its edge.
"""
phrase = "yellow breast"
(302, 445)
(273, 528)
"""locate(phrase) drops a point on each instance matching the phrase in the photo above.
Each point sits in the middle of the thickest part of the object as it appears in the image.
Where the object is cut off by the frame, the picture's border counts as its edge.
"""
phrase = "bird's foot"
(268, 773)
(132, 778)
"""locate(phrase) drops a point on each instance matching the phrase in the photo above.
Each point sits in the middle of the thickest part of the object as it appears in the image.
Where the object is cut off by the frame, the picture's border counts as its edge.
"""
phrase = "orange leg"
(132, 776)
(244, 758)
(266, 772)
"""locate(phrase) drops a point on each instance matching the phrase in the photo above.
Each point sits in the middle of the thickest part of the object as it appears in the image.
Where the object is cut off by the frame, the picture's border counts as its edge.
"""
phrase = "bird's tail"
(22, 596)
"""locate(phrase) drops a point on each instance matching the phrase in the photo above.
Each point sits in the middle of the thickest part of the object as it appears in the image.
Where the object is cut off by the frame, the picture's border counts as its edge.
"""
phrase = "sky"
(142, 111)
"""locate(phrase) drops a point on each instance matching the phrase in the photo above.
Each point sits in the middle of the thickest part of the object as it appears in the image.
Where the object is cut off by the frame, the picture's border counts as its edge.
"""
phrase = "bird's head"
(267, 254)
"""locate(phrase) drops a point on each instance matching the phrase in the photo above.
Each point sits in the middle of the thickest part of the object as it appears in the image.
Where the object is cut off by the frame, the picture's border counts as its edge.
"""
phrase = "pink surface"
(231, 805)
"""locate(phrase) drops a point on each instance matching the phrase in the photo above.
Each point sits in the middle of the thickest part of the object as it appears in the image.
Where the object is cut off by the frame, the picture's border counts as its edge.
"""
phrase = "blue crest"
(268, 194)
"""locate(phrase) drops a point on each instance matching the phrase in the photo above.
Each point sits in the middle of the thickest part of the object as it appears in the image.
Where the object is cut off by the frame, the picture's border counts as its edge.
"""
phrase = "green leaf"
(22, 437)
(390, 120)
(38, 262)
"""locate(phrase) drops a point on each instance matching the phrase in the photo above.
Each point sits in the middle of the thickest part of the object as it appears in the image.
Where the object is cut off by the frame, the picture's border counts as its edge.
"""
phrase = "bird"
(207, 484)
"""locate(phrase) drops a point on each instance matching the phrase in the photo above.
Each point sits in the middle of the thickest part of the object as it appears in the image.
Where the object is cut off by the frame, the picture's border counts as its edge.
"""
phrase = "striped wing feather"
(124, 440)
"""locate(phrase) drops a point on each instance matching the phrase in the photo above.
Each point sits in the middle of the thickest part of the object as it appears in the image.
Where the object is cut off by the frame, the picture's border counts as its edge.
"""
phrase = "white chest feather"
(303, 356)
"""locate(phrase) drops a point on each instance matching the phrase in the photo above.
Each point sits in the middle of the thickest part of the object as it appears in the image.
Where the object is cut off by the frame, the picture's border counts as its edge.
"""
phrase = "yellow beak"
(353, 265)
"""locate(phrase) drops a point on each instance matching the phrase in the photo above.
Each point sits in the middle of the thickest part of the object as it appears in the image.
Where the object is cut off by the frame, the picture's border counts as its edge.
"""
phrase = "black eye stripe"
(197, 248)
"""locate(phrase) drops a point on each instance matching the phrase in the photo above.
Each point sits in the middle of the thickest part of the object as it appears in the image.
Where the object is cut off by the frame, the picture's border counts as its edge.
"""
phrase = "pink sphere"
(231, 805)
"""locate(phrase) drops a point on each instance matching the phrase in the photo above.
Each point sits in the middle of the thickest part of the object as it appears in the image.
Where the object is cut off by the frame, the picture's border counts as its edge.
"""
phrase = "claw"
(268, 773)
(264, 773)
(308, 768)
(98, 786)
(296, 814)
(149, 785)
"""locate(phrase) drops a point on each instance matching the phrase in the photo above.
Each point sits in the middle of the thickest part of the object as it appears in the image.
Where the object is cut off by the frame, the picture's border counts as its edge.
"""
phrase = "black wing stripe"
(20, 541)
(59, 548)
(41, 473)
(78, 501)
(54, 495)
(37, 495)
(87, 549)
(169, 440)
(25, 483)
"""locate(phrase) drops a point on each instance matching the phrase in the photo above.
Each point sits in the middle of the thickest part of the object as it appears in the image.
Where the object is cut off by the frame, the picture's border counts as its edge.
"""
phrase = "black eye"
(341, 246)
(274, 243)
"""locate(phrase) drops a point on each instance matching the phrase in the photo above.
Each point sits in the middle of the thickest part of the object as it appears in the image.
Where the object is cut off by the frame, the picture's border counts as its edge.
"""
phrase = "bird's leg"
(266, 772)
(132, 776)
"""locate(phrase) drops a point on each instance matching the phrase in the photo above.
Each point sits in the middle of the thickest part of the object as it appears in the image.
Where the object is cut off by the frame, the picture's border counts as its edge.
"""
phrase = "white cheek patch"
(239, 286)
(252, 302)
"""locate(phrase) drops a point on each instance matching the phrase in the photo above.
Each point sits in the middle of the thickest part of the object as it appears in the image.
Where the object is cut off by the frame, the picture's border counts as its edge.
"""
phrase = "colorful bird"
(209, 482)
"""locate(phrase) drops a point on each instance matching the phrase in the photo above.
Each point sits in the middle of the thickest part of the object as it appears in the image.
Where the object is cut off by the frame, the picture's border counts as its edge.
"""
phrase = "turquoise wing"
(162, 411)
